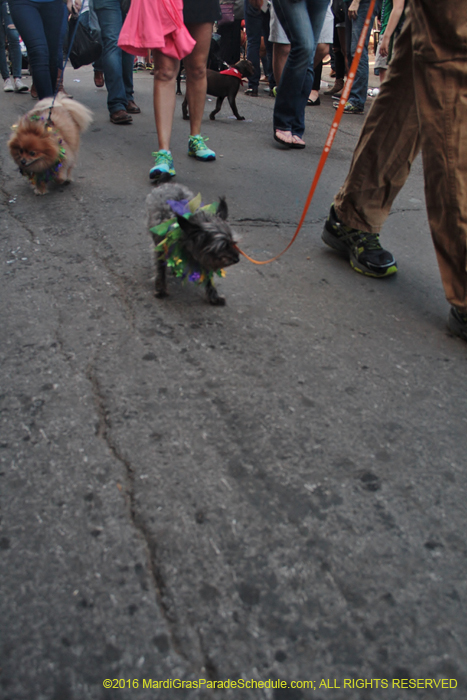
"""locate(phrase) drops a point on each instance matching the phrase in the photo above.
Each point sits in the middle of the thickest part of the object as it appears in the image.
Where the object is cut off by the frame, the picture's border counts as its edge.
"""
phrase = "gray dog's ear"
(222, 211)
(186, 225)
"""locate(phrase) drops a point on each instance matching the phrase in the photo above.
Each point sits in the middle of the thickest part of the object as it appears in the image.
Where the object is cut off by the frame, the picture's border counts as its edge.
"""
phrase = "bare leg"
(195, 68)
(165, 74)
(322, 50)
(279, 58)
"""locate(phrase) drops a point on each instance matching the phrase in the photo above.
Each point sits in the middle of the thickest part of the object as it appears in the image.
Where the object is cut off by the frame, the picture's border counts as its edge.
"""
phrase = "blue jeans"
(7, 29)
(302, 22)
(353, 29)
(118, 64)
(257, 26)
(39, 24)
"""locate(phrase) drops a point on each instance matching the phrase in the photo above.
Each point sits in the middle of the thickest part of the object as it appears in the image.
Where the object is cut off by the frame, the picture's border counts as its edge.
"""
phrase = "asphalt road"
(270, 491)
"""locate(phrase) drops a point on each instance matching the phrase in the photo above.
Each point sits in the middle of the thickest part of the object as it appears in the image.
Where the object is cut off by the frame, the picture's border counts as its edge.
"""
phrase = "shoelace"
(198, 141)
(162, 158)
(369, 240)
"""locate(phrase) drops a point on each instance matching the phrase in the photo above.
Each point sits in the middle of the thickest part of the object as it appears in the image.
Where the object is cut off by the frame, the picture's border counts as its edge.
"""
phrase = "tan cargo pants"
(422, 105)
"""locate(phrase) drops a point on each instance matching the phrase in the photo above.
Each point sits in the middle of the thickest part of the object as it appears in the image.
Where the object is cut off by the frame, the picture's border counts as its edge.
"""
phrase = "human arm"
(393, 21)
(353, 9)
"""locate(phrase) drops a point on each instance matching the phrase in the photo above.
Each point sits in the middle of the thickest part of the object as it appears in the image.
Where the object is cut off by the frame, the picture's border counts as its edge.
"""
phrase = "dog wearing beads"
(45, 141)
(192, 240)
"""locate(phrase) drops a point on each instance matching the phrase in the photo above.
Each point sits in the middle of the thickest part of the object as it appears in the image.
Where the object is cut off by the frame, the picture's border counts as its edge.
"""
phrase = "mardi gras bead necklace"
(52, 172)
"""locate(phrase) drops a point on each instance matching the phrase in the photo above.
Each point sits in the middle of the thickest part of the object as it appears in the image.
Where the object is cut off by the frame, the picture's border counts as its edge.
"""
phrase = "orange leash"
(330, 138)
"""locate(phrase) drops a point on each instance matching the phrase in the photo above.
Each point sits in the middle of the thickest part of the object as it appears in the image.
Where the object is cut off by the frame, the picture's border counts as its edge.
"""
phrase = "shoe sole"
(160, 177)
(193, 155)
(333, 242)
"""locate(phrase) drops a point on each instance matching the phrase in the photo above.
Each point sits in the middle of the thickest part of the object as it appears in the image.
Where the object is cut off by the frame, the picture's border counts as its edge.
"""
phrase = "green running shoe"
(457, 323)
(197, 148)
(364, 251)
(349, 108)
(163, 169)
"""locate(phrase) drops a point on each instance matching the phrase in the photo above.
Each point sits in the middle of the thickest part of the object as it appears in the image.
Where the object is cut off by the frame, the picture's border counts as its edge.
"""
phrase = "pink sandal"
(286, 138)
(297, 142)
(283, 137)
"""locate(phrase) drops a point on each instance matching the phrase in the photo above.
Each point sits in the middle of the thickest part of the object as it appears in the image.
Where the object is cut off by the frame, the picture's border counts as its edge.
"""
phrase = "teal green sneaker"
(163, 169)
(349, 108)
(198, 149)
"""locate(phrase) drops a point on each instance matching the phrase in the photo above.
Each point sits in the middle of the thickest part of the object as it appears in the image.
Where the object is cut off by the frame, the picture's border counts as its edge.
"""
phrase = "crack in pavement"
(121, 282)
(15, 218)
(103, 432)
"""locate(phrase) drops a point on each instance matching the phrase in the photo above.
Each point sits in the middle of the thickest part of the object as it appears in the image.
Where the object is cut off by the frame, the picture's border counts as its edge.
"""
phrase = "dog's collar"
(49, 174)
(233, 71)
(183, 208)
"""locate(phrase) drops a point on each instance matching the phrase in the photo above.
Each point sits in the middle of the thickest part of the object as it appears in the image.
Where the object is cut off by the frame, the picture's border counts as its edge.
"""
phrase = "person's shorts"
(278, 36)
(276, 30)
(327, 32)
(381, 62)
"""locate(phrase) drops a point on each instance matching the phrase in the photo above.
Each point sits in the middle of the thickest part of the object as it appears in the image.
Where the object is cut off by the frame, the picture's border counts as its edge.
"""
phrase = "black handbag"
(86, 47)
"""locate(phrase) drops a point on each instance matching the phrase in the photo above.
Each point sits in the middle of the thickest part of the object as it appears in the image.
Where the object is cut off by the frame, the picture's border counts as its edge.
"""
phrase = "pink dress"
(156, 24)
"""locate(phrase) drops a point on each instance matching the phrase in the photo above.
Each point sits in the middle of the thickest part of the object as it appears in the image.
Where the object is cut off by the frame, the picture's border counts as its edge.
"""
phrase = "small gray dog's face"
(209, 239)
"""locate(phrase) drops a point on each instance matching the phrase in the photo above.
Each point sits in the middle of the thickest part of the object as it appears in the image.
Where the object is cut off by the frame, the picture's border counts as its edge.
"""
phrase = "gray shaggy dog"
(206, 242)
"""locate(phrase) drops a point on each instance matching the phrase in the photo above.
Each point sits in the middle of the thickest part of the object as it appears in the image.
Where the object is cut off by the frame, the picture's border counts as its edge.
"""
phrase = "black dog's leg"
(179, 79)
(161, 282)
(185, 109)
(219, 102)
(212, 295)
(233, 104)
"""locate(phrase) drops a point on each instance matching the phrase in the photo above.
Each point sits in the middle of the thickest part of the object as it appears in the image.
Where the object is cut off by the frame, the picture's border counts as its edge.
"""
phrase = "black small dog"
(222, 86)
(203, 243)
(214, 61)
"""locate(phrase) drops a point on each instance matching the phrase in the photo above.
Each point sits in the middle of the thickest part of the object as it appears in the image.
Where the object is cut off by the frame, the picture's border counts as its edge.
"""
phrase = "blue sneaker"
(198, 149)
(163, 169)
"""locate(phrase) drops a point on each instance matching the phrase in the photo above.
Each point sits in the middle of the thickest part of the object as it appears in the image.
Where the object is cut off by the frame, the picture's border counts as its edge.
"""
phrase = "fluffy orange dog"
(45, 149)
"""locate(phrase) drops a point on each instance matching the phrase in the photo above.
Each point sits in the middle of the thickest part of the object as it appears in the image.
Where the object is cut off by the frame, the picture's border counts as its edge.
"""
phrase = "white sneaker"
(20, 86)
(8, 86)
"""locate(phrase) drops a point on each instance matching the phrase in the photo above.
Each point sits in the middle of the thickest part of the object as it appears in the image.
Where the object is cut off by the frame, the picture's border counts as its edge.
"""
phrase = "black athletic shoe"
(364, 251)
(457, 323)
